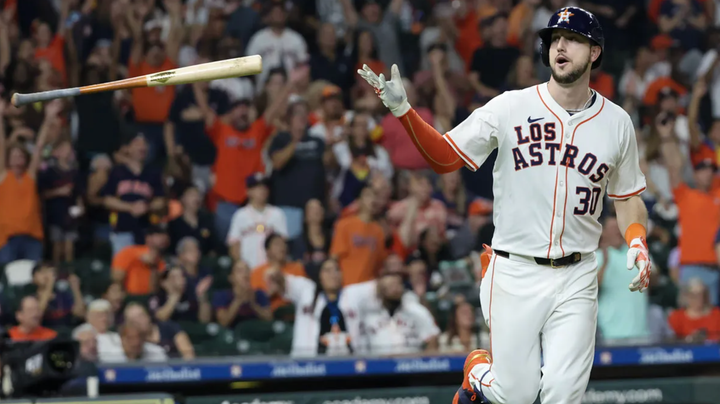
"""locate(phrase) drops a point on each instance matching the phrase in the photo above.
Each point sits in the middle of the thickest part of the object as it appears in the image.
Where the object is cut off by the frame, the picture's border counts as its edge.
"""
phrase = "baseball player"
(561, 147)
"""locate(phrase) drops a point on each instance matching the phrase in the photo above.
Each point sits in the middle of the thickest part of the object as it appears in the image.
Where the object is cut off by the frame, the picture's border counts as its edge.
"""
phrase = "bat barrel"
(24, 99)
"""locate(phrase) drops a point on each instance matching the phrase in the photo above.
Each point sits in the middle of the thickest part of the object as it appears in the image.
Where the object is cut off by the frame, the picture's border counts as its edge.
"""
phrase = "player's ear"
(595, 52)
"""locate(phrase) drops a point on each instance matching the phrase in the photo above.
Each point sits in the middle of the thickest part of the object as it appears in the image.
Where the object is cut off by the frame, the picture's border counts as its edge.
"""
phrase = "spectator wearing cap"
(239, 142)
(358, 242)
(185, 127)
(136, 267)
(278, 45)
(298, 161)
(328, 63)
(134, 195)
(253, 223)
(399, 323)
(28, 317)
(148, 54)
(181, 300)
(21, 230)
(278, 261)
(381, 23)
(491, 62)
(331, 128)
(684, 20)
(698, 319)
(673, 80)
(60, 301)
(194, 223)
(63, 204)
(621, 315)
(357, 157)
(698, 214)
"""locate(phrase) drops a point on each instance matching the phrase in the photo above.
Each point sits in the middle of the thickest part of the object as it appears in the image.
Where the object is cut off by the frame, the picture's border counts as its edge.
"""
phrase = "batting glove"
(391, 93)
(638, 257)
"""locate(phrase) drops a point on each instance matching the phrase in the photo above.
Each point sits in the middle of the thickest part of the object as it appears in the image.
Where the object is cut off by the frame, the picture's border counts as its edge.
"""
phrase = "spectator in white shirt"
(86, 335)
(323, 311)
(278, 45)
(99, 316)
(127, 346)
(252, 223)
(394, 322)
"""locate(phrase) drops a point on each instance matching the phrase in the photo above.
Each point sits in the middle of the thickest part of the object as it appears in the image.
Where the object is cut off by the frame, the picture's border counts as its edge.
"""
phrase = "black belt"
(557, 262)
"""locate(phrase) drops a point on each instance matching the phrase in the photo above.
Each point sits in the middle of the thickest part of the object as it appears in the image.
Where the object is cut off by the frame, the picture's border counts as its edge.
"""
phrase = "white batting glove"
(639, 257)
(391, 93)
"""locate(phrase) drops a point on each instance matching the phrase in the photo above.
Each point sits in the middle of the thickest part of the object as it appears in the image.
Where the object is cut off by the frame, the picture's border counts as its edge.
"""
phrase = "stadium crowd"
(289, 212)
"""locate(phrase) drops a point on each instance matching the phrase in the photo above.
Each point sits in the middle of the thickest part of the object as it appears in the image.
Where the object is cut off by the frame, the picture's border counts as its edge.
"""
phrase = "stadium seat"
(281, 343)
(223, 344)
(253, 348)
(285, 313)
(255, 330)
(19, 272)
(220, 268)
(94, 275)
(199, 332)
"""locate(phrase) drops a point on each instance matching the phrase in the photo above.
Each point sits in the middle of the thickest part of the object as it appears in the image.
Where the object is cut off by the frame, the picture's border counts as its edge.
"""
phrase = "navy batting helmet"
(577, 20)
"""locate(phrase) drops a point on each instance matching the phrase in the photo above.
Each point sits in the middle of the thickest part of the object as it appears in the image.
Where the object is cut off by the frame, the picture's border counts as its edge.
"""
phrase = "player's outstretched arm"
(434, 149)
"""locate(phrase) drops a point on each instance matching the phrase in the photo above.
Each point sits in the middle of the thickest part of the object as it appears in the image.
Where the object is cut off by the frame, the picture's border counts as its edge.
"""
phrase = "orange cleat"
(466, 394)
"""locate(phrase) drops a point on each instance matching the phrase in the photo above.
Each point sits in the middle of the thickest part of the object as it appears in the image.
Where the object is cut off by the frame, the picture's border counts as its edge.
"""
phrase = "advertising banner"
(648, 391)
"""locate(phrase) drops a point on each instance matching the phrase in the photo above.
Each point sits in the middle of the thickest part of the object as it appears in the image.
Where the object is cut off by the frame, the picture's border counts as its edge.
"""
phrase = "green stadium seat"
(223, 344)
(285, 313)
(220, 268)
(255, 330)
(281, 343)
(253, 348)
(63, 332)
(94, 275)
(199, 332)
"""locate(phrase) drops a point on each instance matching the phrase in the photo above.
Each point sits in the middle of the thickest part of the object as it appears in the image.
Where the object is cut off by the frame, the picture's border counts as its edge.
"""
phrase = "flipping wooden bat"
(244, 66)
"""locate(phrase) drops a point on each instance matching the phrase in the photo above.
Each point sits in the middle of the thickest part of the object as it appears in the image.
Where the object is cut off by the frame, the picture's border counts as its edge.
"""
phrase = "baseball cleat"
(466, 393)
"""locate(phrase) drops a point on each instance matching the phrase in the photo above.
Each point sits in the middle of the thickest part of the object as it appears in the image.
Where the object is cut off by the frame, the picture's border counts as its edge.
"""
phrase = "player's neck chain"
(588, 104)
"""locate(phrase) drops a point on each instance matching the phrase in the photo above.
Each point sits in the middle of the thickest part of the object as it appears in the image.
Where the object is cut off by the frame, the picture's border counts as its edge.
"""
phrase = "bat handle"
(23, 99)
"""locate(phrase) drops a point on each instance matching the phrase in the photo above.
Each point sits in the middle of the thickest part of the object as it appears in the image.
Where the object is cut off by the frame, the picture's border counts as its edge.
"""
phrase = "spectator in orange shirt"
(239, 143)
(136, 267)
(358, 242)
(21, 231)
(148, 55)
(603, 83)
(277, 261)
(52, 47)
(698, 213)
(28, 317)
(697, 320)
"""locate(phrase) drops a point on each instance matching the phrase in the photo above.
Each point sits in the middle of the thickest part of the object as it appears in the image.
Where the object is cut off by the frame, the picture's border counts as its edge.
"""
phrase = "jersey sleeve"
(295, 285)
(477, 136)
(627, 179)
(426, 327)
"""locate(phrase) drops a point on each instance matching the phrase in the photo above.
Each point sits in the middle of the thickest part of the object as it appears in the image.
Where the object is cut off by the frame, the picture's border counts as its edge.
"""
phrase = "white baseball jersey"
(552, 169)
(251, 227)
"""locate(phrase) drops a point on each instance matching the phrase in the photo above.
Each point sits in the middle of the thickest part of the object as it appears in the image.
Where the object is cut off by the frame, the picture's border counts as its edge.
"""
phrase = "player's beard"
(573, 75)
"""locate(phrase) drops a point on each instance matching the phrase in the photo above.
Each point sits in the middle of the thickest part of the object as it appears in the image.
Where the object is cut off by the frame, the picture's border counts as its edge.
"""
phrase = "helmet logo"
(565, 16)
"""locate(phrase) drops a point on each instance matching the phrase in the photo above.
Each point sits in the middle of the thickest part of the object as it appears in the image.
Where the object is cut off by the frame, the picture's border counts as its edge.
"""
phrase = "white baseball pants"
(535, 310)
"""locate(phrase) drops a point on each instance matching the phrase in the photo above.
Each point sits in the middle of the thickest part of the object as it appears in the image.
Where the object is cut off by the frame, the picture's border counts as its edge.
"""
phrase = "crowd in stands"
(289, 212)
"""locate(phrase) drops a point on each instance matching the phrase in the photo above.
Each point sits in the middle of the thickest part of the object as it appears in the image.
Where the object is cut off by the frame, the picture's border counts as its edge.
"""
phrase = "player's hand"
(639, 257)
(391, 93)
